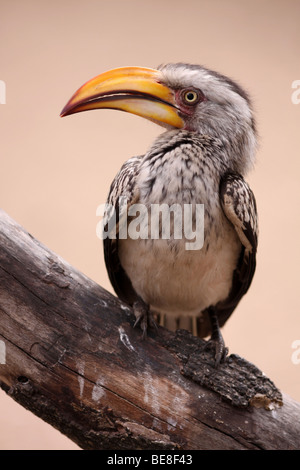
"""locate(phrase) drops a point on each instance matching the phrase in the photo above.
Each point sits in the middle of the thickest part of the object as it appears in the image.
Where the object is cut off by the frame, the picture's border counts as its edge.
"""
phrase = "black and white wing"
(239, 206)
(123, 186)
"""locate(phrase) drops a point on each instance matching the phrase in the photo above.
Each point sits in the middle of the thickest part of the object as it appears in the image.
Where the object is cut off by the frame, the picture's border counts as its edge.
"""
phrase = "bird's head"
(177, 96)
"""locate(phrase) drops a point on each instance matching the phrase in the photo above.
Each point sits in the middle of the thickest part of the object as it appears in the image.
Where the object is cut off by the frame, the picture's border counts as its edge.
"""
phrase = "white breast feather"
(168, 277)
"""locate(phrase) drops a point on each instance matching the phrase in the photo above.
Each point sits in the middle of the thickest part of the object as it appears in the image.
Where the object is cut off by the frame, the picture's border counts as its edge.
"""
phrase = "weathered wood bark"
(72, 357)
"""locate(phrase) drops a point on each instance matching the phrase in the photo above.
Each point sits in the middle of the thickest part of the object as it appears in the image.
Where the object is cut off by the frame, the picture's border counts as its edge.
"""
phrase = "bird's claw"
(143, 316)
(217, 345)
(216, 342)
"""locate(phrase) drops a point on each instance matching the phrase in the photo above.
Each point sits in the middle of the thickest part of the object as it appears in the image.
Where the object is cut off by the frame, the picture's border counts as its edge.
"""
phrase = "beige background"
(55, 172)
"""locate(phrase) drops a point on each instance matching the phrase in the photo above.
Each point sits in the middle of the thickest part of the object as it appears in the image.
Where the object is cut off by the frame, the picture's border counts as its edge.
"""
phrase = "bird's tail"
(198, 326)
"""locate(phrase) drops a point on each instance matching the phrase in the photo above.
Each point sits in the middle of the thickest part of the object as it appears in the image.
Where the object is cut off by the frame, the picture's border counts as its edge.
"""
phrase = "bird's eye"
(191, 96)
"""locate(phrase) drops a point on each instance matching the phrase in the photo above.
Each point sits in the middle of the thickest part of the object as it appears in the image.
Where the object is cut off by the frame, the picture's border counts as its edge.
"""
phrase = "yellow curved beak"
(135, 90)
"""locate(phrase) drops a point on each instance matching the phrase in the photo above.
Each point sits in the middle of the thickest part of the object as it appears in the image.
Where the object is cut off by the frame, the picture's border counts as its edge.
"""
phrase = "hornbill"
(207, 148)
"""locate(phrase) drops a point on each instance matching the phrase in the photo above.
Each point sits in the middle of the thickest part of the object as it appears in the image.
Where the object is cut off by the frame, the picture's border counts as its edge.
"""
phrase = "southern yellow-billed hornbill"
(202, 158)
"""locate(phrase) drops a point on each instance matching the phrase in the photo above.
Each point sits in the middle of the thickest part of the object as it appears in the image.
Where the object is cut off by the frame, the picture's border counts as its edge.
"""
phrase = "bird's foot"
(217, 345)
(216, 342)
(143, 316)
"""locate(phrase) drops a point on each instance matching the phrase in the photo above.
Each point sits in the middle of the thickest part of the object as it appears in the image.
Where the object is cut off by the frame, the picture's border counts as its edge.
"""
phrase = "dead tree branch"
(70, 355)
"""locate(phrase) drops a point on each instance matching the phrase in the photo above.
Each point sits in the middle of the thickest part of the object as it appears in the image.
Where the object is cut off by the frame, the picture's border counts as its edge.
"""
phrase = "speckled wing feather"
(122, 186)
(239, 206)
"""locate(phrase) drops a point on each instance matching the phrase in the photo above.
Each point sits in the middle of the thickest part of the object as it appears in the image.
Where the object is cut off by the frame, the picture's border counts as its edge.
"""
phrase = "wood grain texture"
(73, 359)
